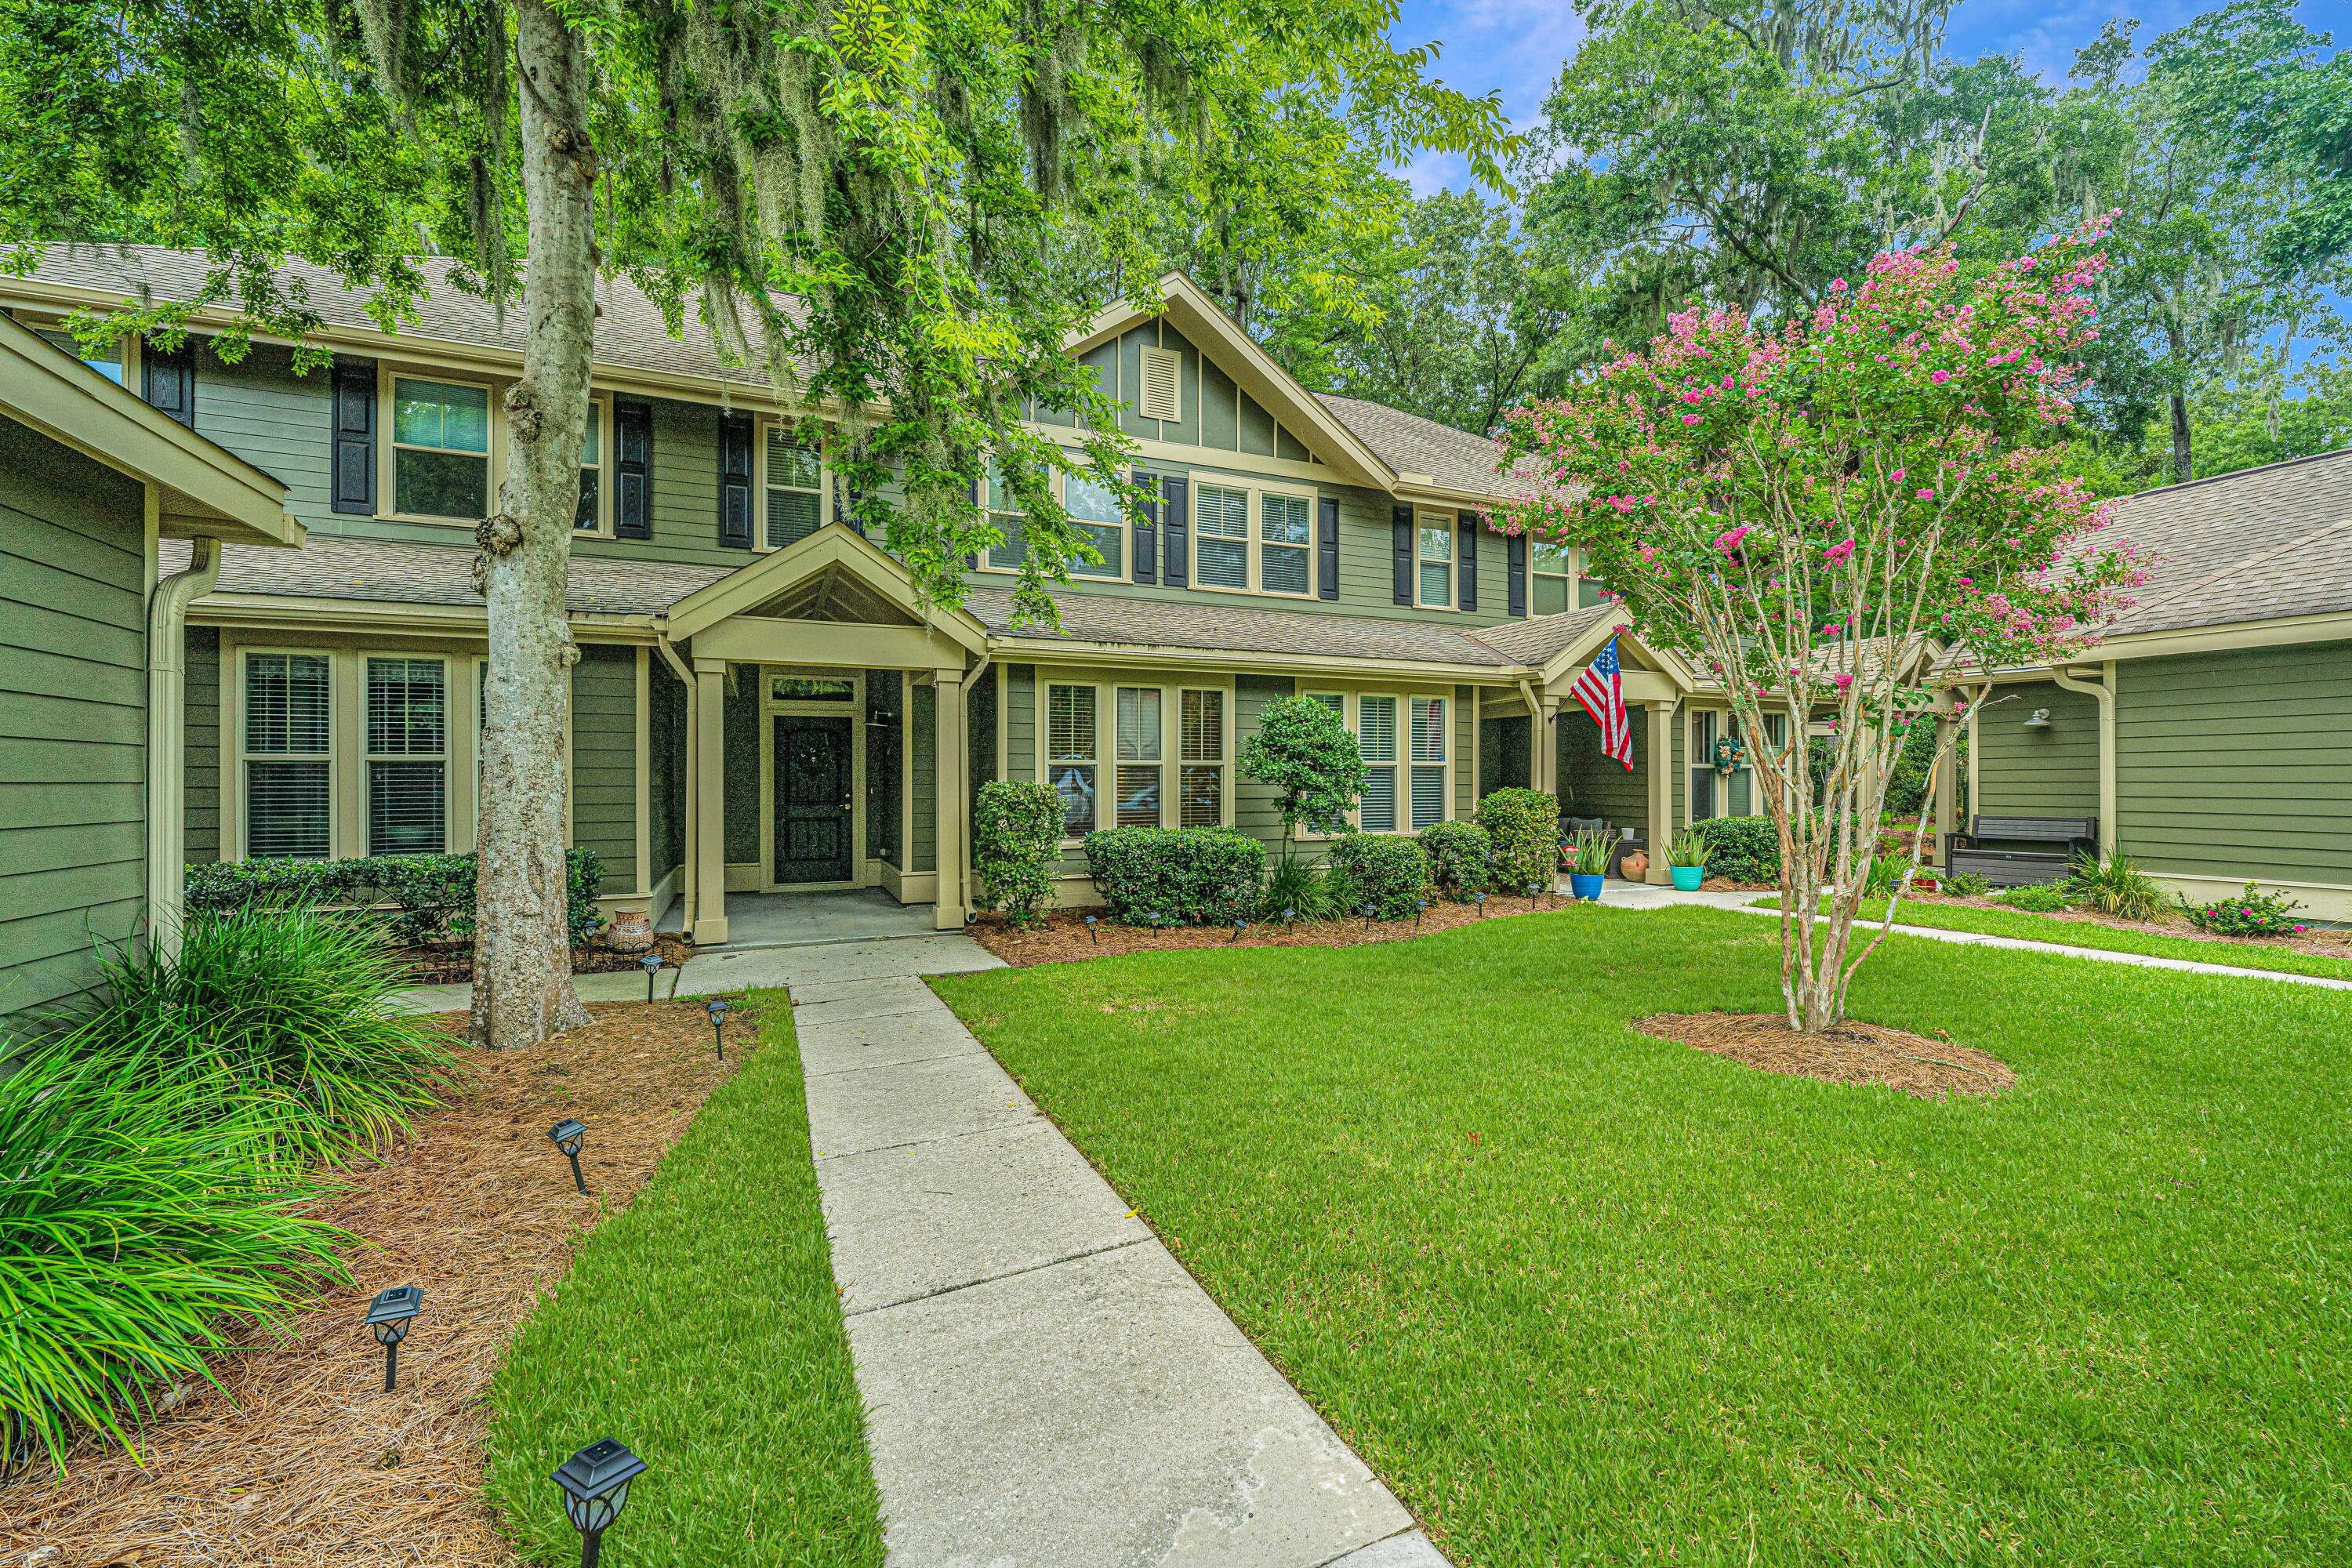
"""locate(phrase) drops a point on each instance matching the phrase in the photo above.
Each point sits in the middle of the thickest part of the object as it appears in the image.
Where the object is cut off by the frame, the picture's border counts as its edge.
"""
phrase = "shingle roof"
(1155, 623)
(379, 571)
(2260, 545)
(1410, 444)
(1535, 641)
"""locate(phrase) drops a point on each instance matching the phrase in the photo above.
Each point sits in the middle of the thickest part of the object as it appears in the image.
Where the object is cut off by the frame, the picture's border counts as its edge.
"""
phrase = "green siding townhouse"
(96, 485)
(764, 703)
(2201, 731)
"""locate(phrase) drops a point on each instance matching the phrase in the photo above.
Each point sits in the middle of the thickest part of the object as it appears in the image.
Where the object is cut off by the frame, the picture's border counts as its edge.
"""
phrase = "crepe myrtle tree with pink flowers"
(1816, 514)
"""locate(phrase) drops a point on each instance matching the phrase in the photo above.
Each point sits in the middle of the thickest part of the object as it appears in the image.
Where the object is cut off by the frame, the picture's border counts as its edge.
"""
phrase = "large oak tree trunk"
(522, 965)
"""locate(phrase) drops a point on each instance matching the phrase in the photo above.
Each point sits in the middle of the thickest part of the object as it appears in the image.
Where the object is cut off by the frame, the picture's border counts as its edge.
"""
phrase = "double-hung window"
(1071, 753)
(1201, 757)
(590, 517)
(1004, 511)
(440, 448)
(1429, 772)
(1435, 564)
(1285, 548)
(1221, 537)
(795, 485)
(287, 756)
(1140, 755)
(1376, 739)
(1555, 571)
(407, 756)
(1095, 508)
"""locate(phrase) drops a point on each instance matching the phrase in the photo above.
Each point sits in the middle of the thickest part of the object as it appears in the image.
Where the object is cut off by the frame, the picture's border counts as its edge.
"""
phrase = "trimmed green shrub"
(292, 1006)
(1304, 751)
(1523, 832)
(1384, 870)
(1743, 848)
(1186, 876)
(1016, 844)
(2250, 913)
(420, 898)
(1457, 854)
(139, 1232)
(1304, 890)
(2036, 898)
(1967, 884)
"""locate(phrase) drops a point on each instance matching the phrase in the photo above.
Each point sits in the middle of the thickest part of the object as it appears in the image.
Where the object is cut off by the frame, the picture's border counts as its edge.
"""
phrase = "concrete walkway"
(1045, 1386)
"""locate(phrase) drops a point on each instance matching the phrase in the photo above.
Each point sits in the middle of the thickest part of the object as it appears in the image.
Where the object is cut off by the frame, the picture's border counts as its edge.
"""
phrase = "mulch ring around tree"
(1062, 936)
(304, 1462)
(449, 963)
(1852, 1052)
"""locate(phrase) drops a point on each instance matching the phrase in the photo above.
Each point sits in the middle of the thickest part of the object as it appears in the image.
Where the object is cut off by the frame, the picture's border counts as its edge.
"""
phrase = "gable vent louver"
(1163, 384)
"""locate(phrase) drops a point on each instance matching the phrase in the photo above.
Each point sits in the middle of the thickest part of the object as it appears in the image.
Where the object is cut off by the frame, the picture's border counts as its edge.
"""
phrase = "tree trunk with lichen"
(522, 957)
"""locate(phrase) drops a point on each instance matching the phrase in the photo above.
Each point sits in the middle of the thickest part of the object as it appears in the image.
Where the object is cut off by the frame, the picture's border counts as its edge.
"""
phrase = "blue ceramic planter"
(1585, 885)
(1687, 877)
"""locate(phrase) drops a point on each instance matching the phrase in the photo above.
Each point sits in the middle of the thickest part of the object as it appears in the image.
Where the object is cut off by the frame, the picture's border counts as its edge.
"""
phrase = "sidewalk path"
(1045, 1388)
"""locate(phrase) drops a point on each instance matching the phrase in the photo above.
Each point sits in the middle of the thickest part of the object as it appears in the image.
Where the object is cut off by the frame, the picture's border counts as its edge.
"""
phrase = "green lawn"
(2032, 927)
(1584, 1295)
(701, 1326)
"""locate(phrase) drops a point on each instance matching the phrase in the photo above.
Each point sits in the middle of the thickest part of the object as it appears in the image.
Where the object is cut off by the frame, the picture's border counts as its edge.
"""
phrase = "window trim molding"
(1171, 686)
(1256, 488)
(1351, 696)
(447, 757)
(599, 415)
(232, 785)
(761, 427)
(388, 375)
(1423, 522)
(128, 347)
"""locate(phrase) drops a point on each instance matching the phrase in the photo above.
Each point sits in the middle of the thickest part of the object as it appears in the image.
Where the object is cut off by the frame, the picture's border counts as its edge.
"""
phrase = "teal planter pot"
(1687, 877)
(1585, 885)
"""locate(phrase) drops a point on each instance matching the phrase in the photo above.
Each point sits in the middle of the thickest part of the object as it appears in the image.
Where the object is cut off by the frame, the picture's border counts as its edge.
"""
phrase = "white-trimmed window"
(1004, 510)
(1221, 536)
(1376, 742)
(113, 362)
(1072, 738)
(794, 483)
(287, 740)
(1433, 565)
(1286, 547)
(596, 515)
(408, 755)
(440, 448)
(1430, 776)
(1095, 508)
(1554, 567)
(1141, 745)
(1201, 757)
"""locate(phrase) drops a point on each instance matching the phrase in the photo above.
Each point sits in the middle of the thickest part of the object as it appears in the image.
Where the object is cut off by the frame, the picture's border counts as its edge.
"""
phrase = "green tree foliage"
(1305, 753)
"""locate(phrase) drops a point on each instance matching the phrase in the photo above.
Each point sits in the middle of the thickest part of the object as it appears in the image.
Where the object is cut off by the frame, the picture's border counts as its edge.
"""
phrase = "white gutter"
(2104, 690)
(167, 707)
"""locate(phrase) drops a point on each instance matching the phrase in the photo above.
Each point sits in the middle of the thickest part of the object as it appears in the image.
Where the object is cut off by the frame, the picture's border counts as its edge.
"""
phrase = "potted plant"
(1588, 860)
(1686, 859)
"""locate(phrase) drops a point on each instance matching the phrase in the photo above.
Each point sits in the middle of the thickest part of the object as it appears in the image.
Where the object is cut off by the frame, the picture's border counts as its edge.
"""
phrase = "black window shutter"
(735, 481)
(846, 499)
(1326, 547)
(1176, 514)
(971, 561)
(1465, 574)
(1401, 532)
(633, 450)
(1515, 556)
(1147, 536)
(354, 437)
(169, 380)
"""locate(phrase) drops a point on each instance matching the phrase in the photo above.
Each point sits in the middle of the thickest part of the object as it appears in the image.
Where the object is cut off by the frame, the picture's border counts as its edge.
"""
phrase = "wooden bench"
(2011, 851)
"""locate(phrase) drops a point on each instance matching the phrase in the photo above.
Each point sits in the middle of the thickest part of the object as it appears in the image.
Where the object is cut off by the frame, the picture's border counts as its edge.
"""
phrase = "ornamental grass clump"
(2117, 887)
(288, 1013)
(1688, 847)
(145, 1217)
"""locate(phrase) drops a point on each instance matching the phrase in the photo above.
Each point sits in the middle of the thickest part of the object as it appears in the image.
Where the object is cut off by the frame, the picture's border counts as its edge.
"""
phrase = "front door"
(813, 818)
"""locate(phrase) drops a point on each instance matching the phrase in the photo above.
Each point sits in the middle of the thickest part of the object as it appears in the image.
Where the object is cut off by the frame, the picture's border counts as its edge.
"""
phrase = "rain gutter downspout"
(167, 760)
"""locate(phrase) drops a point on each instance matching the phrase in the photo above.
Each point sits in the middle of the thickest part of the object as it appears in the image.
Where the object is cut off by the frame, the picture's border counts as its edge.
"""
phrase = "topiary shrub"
(1305, 753)
(1743, 848)
(1523, 833)
(1384, 870)
(1457, 854)
(1188, 876)
(421, 897)
(1016, 844)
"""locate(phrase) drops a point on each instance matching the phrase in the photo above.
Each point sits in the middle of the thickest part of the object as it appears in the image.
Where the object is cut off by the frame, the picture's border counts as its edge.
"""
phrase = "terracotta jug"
(1634, 865)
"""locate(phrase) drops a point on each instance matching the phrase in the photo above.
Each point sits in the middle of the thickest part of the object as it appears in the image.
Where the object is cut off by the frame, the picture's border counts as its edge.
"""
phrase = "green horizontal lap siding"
(2052, 772)
(281, 423)
(1020, 721)
(201, 745)
(1466, 753)
(604, 761)
(1258, 808)
(923, 779)
(744, 744)
(2236, 764)
(1589, 779)
(73, 718)
(682, 511)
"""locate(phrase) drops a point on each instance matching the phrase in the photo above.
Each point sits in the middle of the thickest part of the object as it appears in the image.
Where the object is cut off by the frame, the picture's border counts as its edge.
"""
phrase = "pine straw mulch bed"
(306, 1460)
(449, 963)
(1062, 937)
(1854, 1052)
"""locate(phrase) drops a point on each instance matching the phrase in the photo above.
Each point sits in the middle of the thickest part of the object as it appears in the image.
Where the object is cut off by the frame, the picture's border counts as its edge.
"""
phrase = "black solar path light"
(717, 1008)
(568, 1135)
(1531, 894)
(1367, 917)
(651, 965)
(1092, 935)
(595, 1483)
(1239, 927)
(1420, 908)
(1480, 900)
(389, 1316)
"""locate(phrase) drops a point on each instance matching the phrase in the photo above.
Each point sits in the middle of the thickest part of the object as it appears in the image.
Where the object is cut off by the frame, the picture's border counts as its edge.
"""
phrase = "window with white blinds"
(1376, 739)
(1286, 544)
(286, 745)
(407, 756)
(1436, 565)
(1200, 758)
(795, 486)
(1221, 537)
(1071, 742)
(1004, 510)
(1429, 773)
(1139, 756)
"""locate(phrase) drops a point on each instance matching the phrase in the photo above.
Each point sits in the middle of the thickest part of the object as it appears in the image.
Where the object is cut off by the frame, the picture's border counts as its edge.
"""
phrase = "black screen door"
(812, 799)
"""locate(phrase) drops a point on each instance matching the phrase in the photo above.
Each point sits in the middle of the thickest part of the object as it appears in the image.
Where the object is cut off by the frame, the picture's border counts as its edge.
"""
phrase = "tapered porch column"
(709, 846)
(953, 760)
(1543, 753)
(1661, 789)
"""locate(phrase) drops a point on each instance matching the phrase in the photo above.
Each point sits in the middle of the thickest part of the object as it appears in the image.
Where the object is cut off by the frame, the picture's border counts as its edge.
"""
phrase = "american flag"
(1603, 696)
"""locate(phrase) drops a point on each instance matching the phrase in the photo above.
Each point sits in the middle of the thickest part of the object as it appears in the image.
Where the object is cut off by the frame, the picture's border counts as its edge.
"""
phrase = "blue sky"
(1517, 47)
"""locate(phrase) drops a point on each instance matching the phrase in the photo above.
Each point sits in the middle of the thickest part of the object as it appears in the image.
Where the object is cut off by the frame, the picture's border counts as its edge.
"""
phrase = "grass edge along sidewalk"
(702, 1327)
(1576, 1292)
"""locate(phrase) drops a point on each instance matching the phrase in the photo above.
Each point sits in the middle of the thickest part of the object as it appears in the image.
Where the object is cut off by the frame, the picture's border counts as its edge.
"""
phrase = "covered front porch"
(816, 918)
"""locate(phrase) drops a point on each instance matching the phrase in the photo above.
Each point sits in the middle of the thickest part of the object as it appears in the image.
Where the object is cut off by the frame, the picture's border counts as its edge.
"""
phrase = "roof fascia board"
(2286, 631)
(757, 581)
(1021, 649)
(1568, 661)
(389, 618)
